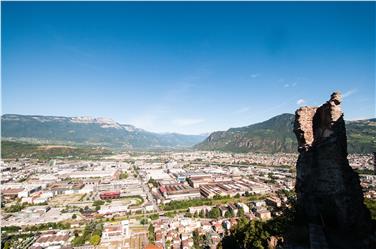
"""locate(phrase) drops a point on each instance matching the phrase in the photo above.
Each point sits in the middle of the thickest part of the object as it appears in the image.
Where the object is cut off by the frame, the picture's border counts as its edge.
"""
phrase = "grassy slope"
(276, 135)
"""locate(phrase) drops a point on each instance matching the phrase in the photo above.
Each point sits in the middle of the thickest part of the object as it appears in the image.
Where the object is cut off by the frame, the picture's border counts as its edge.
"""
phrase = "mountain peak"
(103, 122)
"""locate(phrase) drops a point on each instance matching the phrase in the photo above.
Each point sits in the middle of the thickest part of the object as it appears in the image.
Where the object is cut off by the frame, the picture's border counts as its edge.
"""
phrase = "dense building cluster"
(170, 199)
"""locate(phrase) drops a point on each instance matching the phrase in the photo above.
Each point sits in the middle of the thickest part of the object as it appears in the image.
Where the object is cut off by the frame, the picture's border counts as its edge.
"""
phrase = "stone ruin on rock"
(328, 190)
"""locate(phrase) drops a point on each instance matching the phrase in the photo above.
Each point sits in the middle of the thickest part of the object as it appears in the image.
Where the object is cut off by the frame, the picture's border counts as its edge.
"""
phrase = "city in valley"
(147, 199)
(188, 124)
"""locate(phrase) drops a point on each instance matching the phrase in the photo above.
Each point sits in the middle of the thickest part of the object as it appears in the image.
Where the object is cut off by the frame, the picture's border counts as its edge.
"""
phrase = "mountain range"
(89, 131)
(271, 136)
(276, 135)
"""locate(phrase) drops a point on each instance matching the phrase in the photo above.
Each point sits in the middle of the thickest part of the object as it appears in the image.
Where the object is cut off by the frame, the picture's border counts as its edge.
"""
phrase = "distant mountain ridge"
(89, 131)
(271, 136)
(276, 135)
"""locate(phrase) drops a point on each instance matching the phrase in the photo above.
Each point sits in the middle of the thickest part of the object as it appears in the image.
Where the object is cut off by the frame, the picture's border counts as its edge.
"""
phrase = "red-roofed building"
(152, 246)
(109, 195)
(11, 193)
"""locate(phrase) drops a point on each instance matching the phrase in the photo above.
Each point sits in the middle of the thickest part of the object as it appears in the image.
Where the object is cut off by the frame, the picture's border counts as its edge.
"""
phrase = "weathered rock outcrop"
(328, 190)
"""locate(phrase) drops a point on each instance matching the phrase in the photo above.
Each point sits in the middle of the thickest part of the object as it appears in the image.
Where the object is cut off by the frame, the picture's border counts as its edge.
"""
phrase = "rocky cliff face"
(328, 190)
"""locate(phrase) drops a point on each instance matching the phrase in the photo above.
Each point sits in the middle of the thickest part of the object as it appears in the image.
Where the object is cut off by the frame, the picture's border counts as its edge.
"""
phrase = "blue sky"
(186, 67)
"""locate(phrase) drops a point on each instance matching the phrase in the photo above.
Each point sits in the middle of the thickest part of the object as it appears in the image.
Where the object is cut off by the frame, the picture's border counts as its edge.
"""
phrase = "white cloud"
(146, 121)
(293, 84)
(242, 110)
(349, 93)
(300, 102)
(255, 75)
(359, 118)
(187, 121)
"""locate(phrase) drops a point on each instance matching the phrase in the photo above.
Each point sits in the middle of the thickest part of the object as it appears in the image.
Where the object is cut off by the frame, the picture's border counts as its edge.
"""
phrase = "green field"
(13, 150)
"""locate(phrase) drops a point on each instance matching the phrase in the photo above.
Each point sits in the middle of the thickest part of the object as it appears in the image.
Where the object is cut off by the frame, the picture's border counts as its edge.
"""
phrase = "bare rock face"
(328, 190)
